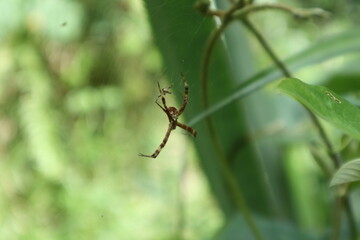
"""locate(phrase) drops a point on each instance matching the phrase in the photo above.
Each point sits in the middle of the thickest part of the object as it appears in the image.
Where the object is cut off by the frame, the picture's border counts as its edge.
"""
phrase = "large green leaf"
(349, 172)
(181, 33)
(325, 103)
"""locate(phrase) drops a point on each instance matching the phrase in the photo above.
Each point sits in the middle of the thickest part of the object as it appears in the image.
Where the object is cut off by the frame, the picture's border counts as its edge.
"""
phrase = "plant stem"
(350, 216)
(206, 62)
(232, 183)
(330, 149)
(225, 169)
(300, 13)
(337, 218)
(267, 48)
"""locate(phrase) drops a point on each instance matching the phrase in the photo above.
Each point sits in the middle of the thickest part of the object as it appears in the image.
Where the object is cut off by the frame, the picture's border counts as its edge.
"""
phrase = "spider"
(173, 114)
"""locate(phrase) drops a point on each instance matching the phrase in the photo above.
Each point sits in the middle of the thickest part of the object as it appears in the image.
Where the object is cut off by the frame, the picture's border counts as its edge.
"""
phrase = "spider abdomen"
(174, 113)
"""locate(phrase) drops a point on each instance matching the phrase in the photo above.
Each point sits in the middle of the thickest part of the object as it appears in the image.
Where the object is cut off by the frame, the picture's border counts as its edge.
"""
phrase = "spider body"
(173, 114)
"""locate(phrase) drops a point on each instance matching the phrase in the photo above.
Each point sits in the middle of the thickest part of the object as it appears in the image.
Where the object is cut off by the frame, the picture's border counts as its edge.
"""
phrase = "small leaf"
(349, 172)
(325, 103)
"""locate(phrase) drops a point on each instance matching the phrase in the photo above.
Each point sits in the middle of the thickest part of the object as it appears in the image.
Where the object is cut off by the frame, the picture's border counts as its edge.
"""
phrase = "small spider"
(173, 114)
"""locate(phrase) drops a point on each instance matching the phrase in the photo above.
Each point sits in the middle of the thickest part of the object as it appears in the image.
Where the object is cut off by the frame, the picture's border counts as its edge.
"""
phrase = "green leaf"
(325, 103)
(349, 172)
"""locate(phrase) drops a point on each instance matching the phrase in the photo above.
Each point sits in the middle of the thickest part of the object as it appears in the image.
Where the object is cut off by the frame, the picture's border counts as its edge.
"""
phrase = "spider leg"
(163, 101)
(162, 145)
(187, 128)
(164, 109)
(161, 93)
(185, 98)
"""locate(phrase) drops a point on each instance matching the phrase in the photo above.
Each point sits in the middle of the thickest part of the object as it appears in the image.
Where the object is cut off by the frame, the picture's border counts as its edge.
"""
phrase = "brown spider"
(173, 114)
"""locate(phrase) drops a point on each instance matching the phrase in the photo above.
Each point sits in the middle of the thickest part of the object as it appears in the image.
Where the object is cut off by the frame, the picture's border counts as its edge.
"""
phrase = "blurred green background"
(77, 90)
(78, 84)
